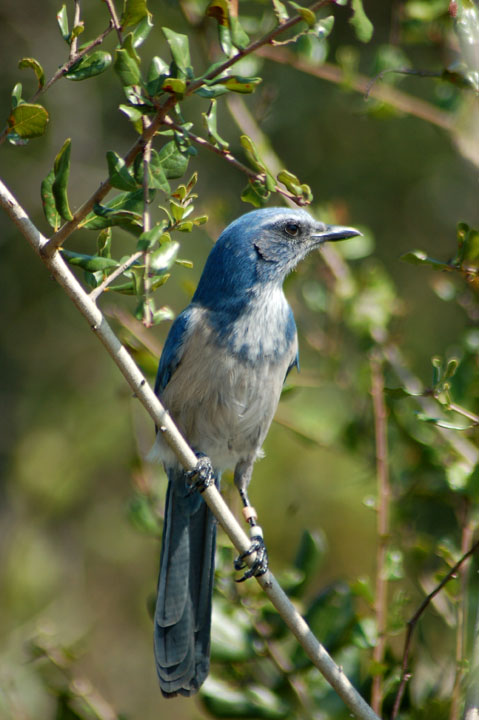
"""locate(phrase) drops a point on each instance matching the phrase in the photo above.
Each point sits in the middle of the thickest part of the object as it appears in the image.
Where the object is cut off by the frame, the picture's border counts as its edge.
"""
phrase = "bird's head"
(264, 246)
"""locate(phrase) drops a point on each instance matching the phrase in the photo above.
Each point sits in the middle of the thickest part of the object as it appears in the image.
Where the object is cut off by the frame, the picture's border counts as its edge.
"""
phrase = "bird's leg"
(260, 563)
(202, 476)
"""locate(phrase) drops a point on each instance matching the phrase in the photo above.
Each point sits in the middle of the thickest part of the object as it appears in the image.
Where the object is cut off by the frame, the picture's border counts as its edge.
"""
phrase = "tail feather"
(185, 586)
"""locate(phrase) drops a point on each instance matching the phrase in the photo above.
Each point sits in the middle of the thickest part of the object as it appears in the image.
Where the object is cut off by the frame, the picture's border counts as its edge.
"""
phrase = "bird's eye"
(292, 229)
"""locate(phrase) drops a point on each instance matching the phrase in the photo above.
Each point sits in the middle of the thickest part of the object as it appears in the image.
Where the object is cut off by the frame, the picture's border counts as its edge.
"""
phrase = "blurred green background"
(73, 562)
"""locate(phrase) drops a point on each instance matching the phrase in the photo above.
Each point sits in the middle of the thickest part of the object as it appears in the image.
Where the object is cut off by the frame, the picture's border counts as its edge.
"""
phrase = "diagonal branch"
(142, 390)
(362, 84)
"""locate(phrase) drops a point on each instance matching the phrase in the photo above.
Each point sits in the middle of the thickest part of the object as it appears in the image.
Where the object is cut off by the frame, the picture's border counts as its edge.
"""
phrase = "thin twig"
(147, 313)
(96, 292)
(412, 622)
(76, 21)
(384, 496)
(72, 61)
(360, 83)
(114, 18)
(143, 392)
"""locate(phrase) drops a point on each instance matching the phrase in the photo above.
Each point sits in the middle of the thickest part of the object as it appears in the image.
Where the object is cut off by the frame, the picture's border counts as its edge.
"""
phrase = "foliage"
(175, 102)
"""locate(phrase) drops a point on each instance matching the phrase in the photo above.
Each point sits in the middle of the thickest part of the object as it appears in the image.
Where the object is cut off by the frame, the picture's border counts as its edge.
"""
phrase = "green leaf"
(180, 50)
(61, 168)
(28, 120)
(210, 123)
(92, 263)
(418, 257)
(211, 92)
(77, 30)
(103, 243)
(255, 193)
(126, 68)
(125, 209)
(238, 36)
(142, 30)
(158, 71)
(149, 238)
(252, 153)
(280, 11)
(470, 248)
(156, 174)
(90, 66)
(134, 11)
(48, 202)
(307, 15)
(363, 27)
(323, 28)
(174, 85)
(239, 84)
(29, 62)
(62, 19)
(134, 115)
(172, 160)
(16, 95)
(162, 259)
(130, 48)
(290, 181)
(120, 176)
(442, 423)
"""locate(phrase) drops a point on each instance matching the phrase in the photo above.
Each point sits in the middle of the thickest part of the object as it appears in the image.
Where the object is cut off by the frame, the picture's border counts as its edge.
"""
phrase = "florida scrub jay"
(220, 376)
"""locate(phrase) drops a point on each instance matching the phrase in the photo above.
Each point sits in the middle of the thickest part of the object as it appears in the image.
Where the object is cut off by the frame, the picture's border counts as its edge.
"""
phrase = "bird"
(220, 377)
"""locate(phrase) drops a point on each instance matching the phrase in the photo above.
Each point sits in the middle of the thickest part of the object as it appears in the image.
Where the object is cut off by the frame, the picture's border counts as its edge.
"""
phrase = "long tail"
(185, 585)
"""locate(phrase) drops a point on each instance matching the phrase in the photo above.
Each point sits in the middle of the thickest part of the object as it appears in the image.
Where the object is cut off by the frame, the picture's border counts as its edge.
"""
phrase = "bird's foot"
(202, 476)
(260, 563)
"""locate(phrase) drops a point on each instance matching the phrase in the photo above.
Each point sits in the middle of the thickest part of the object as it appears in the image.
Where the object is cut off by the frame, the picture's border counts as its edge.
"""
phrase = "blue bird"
(220, 376)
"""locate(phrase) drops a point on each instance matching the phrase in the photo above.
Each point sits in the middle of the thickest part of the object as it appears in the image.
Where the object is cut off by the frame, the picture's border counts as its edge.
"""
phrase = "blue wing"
(173, 350)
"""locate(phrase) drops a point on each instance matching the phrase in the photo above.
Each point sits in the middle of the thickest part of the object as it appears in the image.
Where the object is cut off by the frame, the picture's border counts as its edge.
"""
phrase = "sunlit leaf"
(360, 21)
(28, 120)
(210, 122)
(126, 68)
(307, 15)
(92, 263)
(29, 62)
(62, 19)
(90, 66)
(180, 50)
(239, 84)
(134, 11)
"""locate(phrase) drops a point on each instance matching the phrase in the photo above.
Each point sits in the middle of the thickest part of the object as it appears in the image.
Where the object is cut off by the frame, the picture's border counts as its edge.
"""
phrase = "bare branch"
(360, 83)
(384, 496)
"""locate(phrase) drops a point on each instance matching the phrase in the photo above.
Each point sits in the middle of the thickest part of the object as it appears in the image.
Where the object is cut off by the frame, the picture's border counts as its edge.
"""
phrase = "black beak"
(331, 233)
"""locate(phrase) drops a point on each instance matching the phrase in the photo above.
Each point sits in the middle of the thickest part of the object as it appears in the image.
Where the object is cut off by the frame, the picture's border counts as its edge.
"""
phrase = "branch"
(411, 625)
(141, 389)
(224, 153)
(362, 84)
(384, 495)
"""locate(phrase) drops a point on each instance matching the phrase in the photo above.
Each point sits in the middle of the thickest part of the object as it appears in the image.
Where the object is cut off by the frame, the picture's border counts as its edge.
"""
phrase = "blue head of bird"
(262, 247)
